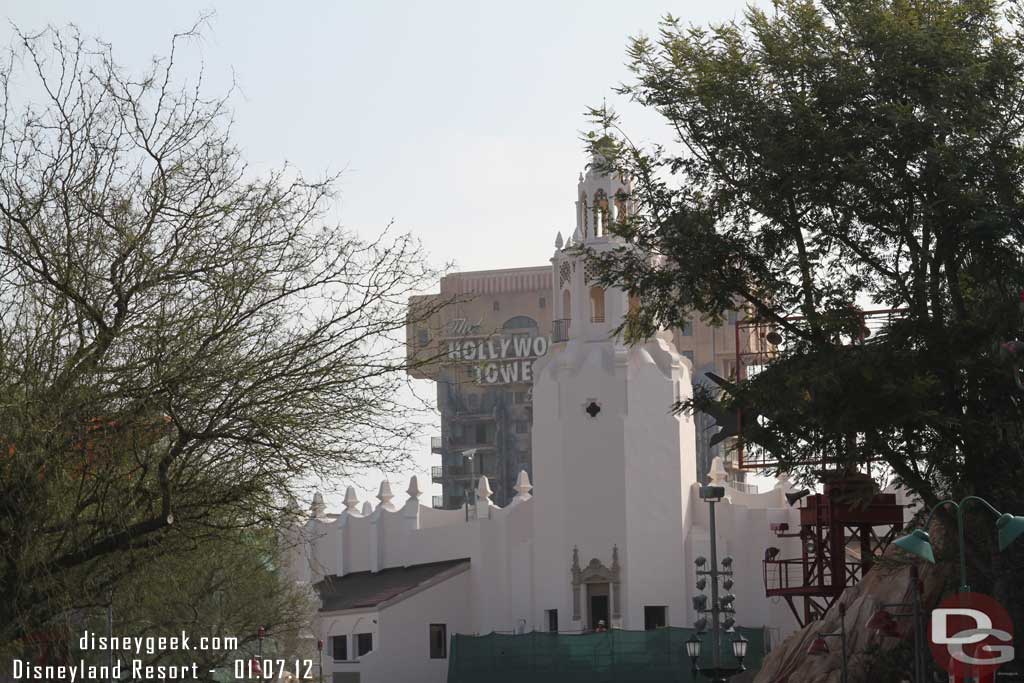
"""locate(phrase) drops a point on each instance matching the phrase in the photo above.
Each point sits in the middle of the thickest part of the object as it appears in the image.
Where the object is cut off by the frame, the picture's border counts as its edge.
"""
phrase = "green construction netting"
(615, 656)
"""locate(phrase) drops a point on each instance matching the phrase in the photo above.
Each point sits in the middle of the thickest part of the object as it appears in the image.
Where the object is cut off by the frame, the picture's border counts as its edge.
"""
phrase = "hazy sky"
(460, 121)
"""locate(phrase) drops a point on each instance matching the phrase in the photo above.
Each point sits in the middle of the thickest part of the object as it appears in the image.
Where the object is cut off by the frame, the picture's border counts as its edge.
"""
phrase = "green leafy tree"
(183, 341)
(829, 156)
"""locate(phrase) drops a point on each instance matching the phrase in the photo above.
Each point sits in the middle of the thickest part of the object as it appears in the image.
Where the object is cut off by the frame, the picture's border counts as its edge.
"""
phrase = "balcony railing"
(436, 445)
(438, 502)
(436, 472)
(560, 330)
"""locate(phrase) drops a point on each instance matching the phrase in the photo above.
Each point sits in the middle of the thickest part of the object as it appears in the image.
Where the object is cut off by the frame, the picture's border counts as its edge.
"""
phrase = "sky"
(459, 121)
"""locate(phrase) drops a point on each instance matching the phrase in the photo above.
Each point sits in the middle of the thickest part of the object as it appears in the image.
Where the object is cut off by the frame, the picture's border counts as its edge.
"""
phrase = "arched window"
(597, 304)
(566, 305)
(620, 206)
(583, 214)
(600, 213)
(520, 322)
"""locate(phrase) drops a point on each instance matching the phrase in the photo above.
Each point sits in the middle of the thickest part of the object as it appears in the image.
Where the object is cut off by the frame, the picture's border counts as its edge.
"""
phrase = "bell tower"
(615, 461)
(583, 308)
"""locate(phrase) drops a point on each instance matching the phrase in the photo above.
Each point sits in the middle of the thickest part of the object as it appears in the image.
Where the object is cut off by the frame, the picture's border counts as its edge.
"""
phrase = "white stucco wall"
(401, 642)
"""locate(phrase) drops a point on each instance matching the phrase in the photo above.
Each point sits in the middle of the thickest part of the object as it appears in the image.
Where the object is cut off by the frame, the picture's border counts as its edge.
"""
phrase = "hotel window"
(522, 427)
(364, 643)
(422, 336)
(438, 641)
(481, 432)
(552, 615)
(729, 369)
(520, 397)
(542, 302)
(654, 617)
(339, 648)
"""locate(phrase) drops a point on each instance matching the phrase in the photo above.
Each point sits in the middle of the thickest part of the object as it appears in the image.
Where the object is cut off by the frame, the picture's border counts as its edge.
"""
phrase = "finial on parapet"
(367, 509)
(522, 488)
(717, 473)
(384, 495)
(483, 491)
(414, 489)
(318, 508)
(559, 241)
(351, 500)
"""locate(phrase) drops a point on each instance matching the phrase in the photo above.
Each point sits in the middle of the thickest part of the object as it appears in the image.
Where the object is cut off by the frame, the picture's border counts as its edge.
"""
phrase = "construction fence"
(615, 656)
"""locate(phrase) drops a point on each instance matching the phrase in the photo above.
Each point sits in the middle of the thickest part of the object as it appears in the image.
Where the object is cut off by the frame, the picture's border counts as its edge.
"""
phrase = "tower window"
(542, 302)
(600, 213)
(364, 643)
(438, 641)
(339, 648)
(497, 306)
(654, 617)
(583, 214)
(592, 408)
(596, 304)
(566, 305)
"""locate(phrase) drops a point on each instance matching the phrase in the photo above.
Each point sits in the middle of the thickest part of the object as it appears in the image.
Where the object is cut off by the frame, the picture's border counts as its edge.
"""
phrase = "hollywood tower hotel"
(613, 526)
(496, 324)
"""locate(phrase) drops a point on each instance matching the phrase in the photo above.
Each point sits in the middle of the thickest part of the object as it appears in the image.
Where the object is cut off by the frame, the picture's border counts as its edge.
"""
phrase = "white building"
(612, 533)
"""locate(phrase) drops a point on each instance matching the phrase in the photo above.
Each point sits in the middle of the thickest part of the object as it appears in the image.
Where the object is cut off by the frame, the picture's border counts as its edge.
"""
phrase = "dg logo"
(971, 636)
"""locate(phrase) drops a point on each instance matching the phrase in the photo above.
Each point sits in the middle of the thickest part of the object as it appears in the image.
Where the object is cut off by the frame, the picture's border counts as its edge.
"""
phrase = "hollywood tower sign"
(500, 359)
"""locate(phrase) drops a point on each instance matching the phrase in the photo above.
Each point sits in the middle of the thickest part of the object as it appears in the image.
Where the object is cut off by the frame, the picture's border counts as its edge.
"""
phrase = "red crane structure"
(844, 529)
(842, 532)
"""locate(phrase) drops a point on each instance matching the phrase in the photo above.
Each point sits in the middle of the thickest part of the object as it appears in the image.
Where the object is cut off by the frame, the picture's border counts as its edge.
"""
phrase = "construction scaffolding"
(614, 656)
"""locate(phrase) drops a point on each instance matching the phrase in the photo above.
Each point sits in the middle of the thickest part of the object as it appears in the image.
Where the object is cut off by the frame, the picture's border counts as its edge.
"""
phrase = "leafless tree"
(182, 340)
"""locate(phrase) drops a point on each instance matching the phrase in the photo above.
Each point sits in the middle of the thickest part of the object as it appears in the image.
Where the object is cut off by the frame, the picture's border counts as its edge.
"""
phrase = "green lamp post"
(1008, 526)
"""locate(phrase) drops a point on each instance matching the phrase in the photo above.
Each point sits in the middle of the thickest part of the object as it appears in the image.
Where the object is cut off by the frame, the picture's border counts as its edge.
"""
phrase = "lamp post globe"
(693, 648)
(739, 648)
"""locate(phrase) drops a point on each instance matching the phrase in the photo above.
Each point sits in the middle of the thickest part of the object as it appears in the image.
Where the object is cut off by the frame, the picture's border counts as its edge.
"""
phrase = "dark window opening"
(364, 643)
(543, 302)
(339, 648)
(654, 617)
(438, 641)
(553, 620)
(497, 306)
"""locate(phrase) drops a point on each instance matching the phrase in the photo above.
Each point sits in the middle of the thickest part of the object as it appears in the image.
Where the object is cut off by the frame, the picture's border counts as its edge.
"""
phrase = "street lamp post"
(820, 646)
(719, 605)
(1008, 526)
(320, 656)
(884, 622)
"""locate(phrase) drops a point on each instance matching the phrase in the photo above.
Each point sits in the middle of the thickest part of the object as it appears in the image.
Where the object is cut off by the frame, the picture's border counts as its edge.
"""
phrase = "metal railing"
(560, 330)
(436, 472)
(438, 502)
(436, 445)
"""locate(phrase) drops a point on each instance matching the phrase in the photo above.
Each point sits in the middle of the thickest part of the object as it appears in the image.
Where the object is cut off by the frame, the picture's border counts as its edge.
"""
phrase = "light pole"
(884, 622)
(820, 646)
(320, 656)
(716, 674)
(1008, 526)
(719, 605)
